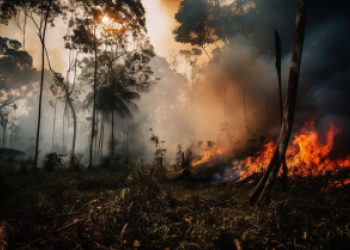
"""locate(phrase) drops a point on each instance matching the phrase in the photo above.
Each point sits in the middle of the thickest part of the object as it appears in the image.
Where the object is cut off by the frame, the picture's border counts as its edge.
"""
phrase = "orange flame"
(207, 154)
(307, 155)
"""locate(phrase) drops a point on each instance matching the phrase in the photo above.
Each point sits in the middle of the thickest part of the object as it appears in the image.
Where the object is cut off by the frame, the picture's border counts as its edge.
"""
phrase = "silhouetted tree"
(47, 11)
(16, 71)
(4, 120)
(208, 21)
(270, 175)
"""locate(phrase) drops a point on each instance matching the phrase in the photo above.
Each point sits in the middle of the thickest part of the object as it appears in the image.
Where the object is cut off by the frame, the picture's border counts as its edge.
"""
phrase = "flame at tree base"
(307, 157)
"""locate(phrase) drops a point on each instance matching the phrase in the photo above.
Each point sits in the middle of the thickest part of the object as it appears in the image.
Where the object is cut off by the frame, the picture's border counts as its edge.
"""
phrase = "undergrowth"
(106, 209)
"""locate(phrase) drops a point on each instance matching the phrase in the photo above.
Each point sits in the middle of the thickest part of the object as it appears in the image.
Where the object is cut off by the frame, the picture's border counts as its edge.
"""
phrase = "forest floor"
(107, 209)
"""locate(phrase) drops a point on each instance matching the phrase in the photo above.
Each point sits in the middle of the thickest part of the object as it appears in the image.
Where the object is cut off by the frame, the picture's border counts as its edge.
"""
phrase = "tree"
(54, 90)
(16, 71)
(270, 175)
(122, 76)
(4, 120)
(207, 22)
(47, 10)
(130, 17)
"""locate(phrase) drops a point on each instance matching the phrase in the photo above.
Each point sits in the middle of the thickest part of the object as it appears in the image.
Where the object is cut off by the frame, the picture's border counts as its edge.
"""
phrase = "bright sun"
(106, 20)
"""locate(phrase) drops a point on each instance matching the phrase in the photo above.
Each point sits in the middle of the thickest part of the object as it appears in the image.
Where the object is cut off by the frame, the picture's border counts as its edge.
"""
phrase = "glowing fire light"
(206, 156)
(307, 156)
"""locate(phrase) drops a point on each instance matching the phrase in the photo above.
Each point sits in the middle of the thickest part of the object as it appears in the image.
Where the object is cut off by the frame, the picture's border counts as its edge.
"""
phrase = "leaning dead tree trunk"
(269, 177)
(278, 67)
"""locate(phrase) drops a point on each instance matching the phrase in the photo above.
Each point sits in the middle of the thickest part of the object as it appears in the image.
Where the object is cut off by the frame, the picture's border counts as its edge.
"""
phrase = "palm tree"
(113, 99)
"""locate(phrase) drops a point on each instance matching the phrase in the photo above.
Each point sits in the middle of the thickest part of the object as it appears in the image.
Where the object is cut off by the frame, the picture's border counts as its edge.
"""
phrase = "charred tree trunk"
(112, 135)
(54, 125)
(269, 177)
(278, 67)
(3, 136)
(42, 38)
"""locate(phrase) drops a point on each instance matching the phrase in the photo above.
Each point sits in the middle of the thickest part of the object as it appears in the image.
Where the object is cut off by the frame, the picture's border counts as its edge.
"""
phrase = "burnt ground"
(110, 209)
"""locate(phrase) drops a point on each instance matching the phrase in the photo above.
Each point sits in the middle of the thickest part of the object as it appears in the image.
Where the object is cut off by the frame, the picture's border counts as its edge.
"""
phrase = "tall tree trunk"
(74, 122)
(99, 139)
(54, 125)
(127, 138)
(102, 134)
(112, 135)
(42, 38)
(270, 175)
(3, 136)
(63, 120)
(279, 69)
(94, 107)
(72, 108)
(79, 142)
(112, 82)
(24, 31)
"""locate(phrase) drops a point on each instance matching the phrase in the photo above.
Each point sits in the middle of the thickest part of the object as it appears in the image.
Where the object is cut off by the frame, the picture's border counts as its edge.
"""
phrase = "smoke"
(186, 112)
(211, 108)
(170, 6)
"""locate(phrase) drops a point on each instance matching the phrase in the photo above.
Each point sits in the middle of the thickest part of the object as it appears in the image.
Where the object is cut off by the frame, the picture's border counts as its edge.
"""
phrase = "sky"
(324, 80)
(160, 23)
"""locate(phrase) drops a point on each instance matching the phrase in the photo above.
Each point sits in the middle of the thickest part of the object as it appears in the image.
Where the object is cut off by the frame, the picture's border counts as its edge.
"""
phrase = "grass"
(106, 209)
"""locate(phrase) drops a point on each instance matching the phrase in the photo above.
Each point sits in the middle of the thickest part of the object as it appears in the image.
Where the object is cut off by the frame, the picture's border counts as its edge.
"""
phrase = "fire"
(207, 154)
(311, 151)
(306, 156)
